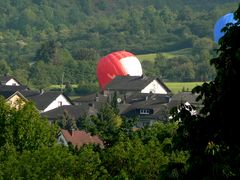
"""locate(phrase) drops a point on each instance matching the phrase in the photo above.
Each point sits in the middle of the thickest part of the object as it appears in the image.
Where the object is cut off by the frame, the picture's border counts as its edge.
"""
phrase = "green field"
(176, 87)
(147, 57)
(171, 54)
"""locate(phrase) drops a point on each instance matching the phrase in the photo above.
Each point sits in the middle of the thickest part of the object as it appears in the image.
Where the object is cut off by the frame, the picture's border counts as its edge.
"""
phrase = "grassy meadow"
(168, 55)
(176, 87)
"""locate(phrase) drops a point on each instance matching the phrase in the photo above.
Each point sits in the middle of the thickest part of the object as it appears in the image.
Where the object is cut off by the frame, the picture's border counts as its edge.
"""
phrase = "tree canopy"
(211, 137)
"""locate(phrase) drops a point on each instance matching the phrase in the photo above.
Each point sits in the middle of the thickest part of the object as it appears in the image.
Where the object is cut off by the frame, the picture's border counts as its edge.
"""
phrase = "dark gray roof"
(162, 113)
(6, 94)
(132, 83)
(123, 108)
(13, 88)
(74, 111)
(152, 102)
(183, 97)
(30, 93)
(43, 99)
(136, 97)
(159, 111)
(95, 97)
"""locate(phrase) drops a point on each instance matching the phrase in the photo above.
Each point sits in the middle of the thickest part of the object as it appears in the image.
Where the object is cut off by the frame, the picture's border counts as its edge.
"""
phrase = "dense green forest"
(42, 41)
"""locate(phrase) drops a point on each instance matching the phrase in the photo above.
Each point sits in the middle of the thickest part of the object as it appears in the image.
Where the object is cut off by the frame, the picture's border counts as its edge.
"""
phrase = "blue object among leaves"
(221, 23)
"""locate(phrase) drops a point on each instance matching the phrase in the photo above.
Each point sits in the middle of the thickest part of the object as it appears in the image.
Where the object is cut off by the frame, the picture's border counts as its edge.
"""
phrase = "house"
(128, 85)
(9, 81)
(77, 138)
(46, 101)
(149, 108)
(14, 99)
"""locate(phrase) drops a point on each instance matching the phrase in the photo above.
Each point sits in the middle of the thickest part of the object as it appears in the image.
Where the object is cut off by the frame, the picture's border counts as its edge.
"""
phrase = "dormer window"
(144, 111)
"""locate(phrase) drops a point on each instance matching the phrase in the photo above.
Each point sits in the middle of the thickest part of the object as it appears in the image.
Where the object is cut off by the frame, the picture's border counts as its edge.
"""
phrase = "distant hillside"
(40, 40)
(139, 26)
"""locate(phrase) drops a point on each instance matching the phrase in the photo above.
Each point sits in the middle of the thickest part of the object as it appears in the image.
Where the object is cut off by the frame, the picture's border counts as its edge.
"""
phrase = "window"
(60, 103)
(144, 111)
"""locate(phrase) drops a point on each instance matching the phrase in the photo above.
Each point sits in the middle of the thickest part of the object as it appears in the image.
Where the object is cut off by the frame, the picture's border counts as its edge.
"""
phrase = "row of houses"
(144, 97)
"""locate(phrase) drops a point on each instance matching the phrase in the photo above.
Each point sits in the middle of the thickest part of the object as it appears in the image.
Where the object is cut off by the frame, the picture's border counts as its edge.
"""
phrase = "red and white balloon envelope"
(119, 63)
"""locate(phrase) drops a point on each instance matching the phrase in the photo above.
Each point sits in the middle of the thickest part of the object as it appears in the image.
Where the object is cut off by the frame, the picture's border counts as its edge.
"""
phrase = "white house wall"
(155, 88)
(56, 103)
(12, 82)
(62, 140)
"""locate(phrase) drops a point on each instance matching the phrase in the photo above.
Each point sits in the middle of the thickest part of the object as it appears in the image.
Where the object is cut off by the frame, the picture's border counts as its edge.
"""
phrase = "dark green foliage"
(50, 163)
(106, 124)
(47, 52)
(5, 69)
(146, 155)
(114, 103)
(211, 137)
(85, 54)
(85, 88)
(24, 128)
(175, 69)
(68, 90)
(67, 122)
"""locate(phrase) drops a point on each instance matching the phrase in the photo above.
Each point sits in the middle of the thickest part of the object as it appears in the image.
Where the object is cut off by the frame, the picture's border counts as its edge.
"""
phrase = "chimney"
(146, 98)
(97, 98)
(71, 131)
(41, 91)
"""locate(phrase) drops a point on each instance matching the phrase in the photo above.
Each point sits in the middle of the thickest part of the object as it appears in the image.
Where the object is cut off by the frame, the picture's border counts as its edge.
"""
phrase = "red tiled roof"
(79, 138)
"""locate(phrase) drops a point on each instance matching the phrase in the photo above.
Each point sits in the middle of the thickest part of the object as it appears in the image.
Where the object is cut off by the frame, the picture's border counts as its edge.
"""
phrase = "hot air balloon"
(119, 63)
(221, 23)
